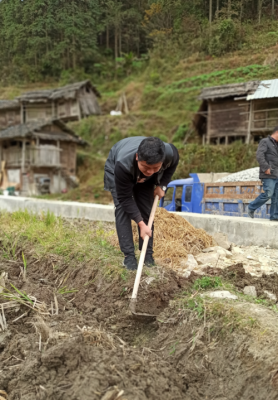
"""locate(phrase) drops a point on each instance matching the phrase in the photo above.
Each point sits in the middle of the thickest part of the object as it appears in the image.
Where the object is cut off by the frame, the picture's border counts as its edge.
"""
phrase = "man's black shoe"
(130, 263)
(149, 261)
(250, 213)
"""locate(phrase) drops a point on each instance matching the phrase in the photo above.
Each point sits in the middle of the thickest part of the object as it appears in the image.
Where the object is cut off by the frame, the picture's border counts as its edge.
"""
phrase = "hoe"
(133, 300)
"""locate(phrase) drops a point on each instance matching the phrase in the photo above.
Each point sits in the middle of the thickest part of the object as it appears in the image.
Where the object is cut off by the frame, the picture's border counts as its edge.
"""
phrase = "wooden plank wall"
(227, 118)
(39, 111)
(265, 115)
(9, 118)
(68, 156)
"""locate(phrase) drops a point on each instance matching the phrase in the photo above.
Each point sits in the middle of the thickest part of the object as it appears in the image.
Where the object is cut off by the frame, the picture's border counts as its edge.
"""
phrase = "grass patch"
(220, 316)
(45, 235)
(207, 282)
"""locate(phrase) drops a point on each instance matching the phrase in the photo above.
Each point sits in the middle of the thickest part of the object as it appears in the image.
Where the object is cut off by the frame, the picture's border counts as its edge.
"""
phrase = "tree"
(114, 17)
(210, 12)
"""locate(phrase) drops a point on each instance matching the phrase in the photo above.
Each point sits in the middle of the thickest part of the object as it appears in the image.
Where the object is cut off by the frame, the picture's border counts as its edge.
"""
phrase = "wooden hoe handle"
(143, 252)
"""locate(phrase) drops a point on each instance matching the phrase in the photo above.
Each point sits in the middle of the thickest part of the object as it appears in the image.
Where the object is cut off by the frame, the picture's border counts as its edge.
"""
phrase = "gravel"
(251, 174)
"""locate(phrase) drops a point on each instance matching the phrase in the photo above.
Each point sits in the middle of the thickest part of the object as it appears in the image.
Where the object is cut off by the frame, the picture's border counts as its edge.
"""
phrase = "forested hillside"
(42, 39)
(161, 54)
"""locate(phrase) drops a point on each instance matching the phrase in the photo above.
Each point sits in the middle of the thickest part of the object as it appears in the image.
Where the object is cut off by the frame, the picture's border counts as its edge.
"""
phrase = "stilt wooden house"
(69, 103)
(38, 157)
(246, 111)
(9, 113)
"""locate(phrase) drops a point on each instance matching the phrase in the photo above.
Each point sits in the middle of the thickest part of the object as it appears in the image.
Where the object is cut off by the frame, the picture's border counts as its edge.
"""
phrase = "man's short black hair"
(275, 130)
(151, 150)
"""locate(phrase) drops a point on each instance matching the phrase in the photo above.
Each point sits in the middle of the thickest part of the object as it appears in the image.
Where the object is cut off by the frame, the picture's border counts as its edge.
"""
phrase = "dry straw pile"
(175, 238)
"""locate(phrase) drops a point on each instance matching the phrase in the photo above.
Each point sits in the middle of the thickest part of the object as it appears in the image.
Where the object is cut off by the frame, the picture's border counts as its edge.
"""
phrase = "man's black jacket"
(122, 172)
(267, 157)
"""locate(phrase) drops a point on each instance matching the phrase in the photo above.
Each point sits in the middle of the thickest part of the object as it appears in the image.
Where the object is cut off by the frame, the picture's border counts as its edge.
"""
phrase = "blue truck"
(218, 198)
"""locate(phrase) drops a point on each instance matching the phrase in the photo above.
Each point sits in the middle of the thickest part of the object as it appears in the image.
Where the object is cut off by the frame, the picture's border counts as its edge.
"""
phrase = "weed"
(124, 275)
(9, 246)
(173, 348)
(88, 283)
(65, 290)
(25, 267)
(49, 218)
(23, 297)
(195, 304)
(207, 282)
(123, 291)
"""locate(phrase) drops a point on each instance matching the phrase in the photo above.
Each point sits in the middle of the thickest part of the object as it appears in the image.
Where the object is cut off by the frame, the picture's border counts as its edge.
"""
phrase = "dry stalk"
(3, 322)
(56, 304)
(16, 300)
(98, 337)
(3, 278)
(21, 316)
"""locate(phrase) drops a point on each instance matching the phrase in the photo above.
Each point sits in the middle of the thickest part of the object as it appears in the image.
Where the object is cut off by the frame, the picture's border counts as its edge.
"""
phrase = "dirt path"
(85, 344)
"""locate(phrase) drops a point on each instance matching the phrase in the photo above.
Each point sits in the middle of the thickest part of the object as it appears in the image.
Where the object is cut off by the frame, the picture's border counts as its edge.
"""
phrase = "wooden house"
(246, 111)
(38, 152)
(69, 103)
(9, 113)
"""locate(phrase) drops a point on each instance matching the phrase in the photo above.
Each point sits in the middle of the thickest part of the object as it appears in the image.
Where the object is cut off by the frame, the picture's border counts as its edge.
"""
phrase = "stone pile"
(251, 174)
(256, 260)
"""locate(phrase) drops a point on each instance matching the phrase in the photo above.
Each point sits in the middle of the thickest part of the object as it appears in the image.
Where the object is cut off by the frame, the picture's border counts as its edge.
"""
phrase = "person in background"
(137, 169)
(267, 157)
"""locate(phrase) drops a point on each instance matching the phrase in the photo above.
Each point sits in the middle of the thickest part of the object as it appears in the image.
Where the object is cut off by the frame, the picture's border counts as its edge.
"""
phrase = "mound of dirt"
(235, 364)
(75, 370)
(237, 275)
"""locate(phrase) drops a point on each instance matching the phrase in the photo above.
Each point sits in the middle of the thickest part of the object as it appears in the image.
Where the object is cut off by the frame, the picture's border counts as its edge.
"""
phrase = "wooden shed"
(37, 153)
(9, 113)
(69, 103)
(246, 111)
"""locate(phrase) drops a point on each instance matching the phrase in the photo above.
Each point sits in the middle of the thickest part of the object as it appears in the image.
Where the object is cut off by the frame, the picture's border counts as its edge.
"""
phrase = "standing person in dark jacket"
(267, 157)
(137, 169)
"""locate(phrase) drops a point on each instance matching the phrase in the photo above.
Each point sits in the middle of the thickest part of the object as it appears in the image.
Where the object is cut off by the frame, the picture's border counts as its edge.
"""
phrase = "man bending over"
(137, 169)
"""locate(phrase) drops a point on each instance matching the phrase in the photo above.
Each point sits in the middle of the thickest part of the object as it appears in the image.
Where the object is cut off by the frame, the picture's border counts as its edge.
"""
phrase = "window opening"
(188, 194)
(168, 196)
(178, 197)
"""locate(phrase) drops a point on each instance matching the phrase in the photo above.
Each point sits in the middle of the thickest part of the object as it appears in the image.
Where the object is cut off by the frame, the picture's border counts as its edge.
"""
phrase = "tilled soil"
(94, 349)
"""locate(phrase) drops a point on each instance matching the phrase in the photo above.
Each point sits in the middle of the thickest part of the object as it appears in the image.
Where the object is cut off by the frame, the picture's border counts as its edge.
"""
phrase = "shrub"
(155, 78)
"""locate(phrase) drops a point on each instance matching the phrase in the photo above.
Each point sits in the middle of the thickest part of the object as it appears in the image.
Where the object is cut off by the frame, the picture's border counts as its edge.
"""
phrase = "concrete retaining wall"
(240, 230)
(243, 231)
(67, 209)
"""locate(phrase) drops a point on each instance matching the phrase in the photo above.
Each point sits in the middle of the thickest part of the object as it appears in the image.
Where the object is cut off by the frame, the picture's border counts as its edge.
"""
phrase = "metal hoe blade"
(132, 307)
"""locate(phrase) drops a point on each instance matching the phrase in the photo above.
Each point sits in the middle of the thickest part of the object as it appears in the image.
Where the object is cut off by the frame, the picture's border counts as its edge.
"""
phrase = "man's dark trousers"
(270, 187)
(143, 196)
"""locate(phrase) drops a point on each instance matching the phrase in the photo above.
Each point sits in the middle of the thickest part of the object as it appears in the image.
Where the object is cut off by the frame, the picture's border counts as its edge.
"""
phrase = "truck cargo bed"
(232, 199)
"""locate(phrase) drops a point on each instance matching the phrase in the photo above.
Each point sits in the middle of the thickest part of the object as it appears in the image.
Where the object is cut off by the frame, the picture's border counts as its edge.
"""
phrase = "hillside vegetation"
(160, 54)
